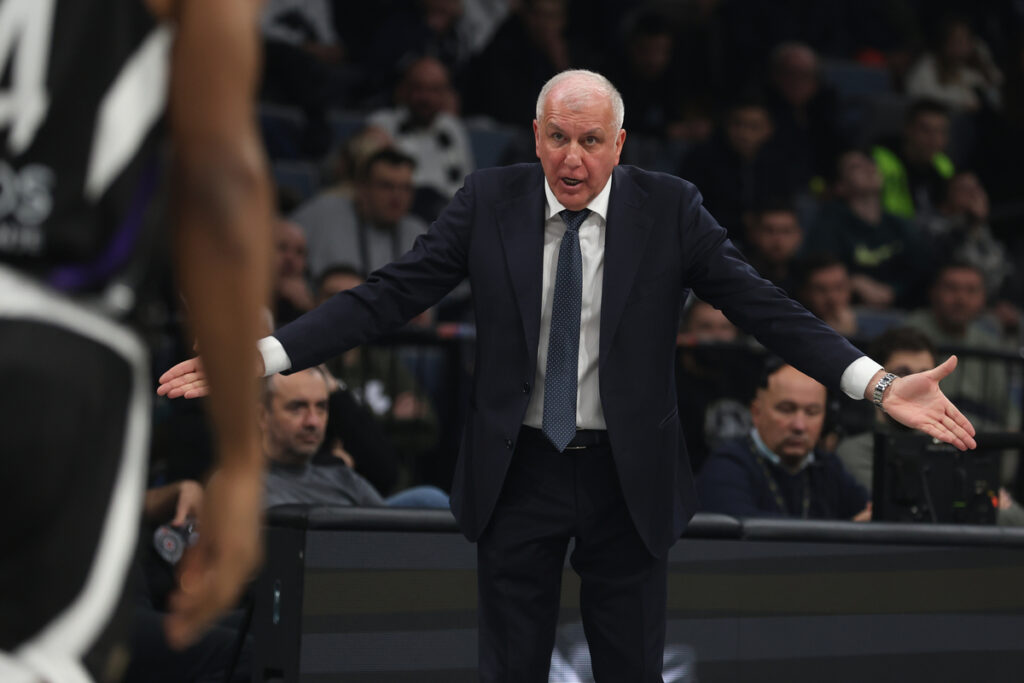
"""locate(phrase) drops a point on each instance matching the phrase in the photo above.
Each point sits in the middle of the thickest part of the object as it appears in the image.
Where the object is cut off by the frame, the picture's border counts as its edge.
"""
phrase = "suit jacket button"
(509, 444)
(526, 387)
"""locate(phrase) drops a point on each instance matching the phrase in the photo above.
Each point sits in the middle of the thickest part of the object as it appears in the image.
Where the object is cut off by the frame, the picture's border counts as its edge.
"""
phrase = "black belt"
(585, 438)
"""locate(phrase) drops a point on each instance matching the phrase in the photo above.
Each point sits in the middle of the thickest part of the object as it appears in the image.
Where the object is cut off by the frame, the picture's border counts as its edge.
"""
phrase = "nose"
(573, 159)
(799, 423)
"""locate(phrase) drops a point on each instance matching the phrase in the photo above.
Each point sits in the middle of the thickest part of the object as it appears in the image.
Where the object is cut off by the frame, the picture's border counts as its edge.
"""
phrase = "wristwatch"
(879, 392)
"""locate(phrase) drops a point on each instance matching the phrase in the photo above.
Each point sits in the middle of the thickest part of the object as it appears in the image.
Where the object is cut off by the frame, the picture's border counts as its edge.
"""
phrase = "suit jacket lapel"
(628, 228)
(521, 226)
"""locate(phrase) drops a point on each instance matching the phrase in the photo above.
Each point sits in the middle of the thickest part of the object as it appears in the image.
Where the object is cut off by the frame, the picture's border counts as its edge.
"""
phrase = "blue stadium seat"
(489, 142)
(281, 128)
(344, 124)
(299, 178)
(851, 79)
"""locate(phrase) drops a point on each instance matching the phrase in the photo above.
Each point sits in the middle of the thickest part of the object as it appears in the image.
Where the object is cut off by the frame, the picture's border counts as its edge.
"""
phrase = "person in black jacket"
(776, 471)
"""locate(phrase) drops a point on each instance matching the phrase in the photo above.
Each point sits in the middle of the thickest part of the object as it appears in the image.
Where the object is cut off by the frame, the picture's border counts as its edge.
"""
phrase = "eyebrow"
(593, 131)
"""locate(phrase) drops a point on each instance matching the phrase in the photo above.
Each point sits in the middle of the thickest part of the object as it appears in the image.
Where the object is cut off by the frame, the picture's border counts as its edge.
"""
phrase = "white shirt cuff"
(857, 376)
(275, 358)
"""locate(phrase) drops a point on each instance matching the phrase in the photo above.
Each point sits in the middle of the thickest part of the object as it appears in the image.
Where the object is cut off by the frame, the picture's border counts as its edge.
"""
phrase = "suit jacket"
(659, 244)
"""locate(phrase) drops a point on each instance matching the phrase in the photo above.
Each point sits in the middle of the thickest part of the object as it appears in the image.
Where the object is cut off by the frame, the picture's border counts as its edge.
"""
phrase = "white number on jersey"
(25, 28)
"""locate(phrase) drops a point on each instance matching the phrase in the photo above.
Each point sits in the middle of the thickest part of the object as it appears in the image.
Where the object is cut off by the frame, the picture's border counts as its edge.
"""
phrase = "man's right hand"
(184, 379)
(188, 379)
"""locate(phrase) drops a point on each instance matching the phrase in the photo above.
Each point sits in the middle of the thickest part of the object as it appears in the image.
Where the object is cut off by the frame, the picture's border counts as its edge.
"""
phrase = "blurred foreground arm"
(222, 247)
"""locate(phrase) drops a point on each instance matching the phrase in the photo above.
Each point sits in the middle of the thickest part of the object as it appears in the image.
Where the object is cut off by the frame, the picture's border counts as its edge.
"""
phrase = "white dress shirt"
(589, 414)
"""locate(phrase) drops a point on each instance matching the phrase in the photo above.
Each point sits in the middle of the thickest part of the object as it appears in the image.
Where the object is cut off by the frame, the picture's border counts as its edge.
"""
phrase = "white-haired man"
(578, 267)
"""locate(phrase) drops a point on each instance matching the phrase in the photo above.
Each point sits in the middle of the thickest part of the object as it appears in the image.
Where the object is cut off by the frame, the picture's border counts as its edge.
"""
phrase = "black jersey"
(83, 84)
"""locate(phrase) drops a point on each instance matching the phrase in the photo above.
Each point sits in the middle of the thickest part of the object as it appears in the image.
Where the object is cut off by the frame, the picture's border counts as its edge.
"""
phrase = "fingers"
(959, 432)
(960, 419)
(939, 432)
(188, 610)
(191, 385)
(949, 431)
(206, 589)
(943, 370)
(196, 389)
(184, 379)
(185, 366)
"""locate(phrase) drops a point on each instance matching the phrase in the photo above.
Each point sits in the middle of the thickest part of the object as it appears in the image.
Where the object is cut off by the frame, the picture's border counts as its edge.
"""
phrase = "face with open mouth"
(578, 145)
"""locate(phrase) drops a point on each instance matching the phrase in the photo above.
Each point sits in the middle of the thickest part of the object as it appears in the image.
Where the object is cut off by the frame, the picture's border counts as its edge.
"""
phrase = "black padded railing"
(703, 525)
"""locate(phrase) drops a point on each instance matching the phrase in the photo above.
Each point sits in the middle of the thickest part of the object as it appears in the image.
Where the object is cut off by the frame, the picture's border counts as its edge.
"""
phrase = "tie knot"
(573, 219)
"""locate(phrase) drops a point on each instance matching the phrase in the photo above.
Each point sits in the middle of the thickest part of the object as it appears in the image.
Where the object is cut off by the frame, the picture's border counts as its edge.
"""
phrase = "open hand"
(917, 401)
(184, 379)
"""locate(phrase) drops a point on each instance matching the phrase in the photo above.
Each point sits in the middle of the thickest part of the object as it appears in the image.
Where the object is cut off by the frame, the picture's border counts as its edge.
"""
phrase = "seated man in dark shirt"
(294, 422)
(776, 471)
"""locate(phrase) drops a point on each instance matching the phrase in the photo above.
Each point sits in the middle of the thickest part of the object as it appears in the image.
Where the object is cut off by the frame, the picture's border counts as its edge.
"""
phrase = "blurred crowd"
(863, 154)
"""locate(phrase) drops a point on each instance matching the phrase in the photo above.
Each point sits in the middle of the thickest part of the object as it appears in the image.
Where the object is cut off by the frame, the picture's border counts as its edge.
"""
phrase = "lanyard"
(774, 487)
(363, 235)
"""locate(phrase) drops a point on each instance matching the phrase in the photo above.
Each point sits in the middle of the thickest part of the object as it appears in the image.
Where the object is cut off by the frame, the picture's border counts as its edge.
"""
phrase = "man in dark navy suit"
(578, 268)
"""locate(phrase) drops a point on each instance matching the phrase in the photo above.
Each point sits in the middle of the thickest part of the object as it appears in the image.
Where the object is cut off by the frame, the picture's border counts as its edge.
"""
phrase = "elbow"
(223, 191)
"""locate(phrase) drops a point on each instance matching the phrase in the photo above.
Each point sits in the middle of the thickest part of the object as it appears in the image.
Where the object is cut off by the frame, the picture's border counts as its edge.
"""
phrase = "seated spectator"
(961, 231)
(379, 380)
(915, 168)
(738, 170)
(954, 318)
(348, 159)
(370, 230)
(425, 127)
(294, 421)
(958, 71)
(410, 30)
(886, 257)
(822, 285)
(292, 295)
(647, 79)
(710, 375)
(773, 240)
(304, 64)
(903, 351)
(805, 112)
(529, 47)
(776, 471)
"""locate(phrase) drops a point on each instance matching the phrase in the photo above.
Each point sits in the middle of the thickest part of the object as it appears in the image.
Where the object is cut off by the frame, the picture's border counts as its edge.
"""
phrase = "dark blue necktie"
(560, 380)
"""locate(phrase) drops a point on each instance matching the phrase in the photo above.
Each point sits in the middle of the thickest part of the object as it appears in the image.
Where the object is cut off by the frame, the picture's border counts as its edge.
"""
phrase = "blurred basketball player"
(84, 89)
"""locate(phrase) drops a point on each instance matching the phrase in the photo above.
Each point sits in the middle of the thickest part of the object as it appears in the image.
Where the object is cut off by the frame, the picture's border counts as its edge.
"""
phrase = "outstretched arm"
(917, 401)
(222, 243)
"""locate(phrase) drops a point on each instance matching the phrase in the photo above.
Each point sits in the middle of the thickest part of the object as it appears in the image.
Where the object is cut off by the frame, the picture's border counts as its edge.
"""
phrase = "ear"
(620, 140)
(536, 138)
(756, 406)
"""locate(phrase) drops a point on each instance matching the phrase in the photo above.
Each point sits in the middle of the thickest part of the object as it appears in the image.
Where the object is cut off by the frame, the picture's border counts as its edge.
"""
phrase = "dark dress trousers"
(659, 244)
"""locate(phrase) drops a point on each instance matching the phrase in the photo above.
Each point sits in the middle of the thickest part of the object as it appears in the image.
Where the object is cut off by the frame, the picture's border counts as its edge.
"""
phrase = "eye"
(558, 137)
(590, 140)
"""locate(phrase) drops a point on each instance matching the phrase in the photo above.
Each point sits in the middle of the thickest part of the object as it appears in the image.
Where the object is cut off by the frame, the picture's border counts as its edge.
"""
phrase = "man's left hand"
(917, 401)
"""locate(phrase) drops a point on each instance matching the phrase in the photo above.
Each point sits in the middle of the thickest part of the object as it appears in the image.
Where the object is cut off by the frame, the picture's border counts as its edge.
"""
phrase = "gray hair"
(583, 84)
